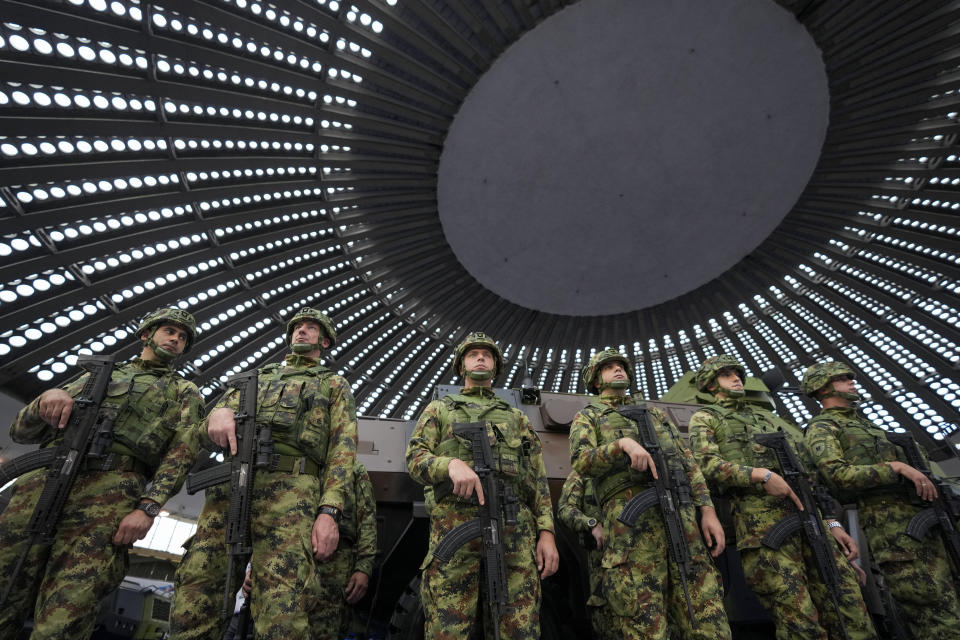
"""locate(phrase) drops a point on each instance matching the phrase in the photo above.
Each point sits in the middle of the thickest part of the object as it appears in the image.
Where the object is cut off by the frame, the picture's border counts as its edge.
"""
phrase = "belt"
(115, 462)
(294, 464)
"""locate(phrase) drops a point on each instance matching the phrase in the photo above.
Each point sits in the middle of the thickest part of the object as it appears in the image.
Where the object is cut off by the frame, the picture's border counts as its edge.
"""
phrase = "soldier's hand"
(713, 535)
(356, 587)
(465, 480)
(133, 527)
(640, 458)
(548, 559)
(776, 486)
(861, 574)
(925, 488)
(597, 533)
(847, 544)
(222, 429)
(247, 586)
(325, 536)
(54, 407)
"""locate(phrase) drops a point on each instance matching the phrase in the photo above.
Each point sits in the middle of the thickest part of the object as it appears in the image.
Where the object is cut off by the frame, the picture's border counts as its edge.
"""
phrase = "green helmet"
(590, 370)
(707, 374)
(477, 339)
(317, 316)
(819, 375)
(168, 315)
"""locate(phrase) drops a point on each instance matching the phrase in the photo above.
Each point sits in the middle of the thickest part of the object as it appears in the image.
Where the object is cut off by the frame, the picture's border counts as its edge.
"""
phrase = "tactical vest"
(509, 446)
(613, 423)
(295, 403)
(736, 442)
(137, 400)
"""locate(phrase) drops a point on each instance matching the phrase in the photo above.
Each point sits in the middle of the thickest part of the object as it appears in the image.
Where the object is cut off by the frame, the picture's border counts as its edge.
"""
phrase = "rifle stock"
(670, 490)
(86, 436)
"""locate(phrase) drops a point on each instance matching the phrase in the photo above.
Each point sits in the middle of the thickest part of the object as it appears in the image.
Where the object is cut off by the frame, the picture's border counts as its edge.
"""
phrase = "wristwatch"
(834, 524)
(592, 522)
(333, 512)
(766, 477)
(152, 509)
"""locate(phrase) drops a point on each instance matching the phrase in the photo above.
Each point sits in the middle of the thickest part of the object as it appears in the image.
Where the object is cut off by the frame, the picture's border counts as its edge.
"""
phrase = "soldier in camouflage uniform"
(643, 592)
(579, 510)
(297, 503)
(343, 578)
(785, 580)
(437, 458)
(151, 405)
(856, 459)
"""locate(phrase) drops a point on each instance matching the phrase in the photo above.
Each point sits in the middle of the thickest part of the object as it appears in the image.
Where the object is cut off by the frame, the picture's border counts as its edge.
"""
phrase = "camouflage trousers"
(642, 586)
(787, 584)
(328, 615)
(451, 591)
(283, 510)
(600, 615)
(917, 573)
(62, 586)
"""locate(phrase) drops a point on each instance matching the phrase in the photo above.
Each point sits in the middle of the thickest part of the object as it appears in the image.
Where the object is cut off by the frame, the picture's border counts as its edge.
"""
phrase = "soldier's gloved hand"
(713, 535)
(133, 527)
(548, 558)
(847, 544)
(356, 587)
(775, 486)
(325, 536)
(640, 458)
(465, 480)
(54, 407)
(925, 488)
(222, 429)
(597, 533)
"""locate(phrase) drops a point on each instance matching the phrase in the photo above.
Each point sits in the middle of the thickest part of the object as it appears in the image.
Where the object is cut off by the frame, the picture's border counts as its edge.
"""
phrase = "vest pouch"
(313, 436)
(279, 404)
(142, 426)
(508, 454)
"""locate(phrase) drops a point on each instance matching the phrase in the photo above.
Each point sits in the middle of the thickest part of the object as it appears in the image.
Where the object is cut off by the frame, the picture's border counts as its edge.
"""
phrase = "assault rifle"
(670, 490)
(807, 521)
(254, 451)
(85, 440)
(940, 512)
(499, 508)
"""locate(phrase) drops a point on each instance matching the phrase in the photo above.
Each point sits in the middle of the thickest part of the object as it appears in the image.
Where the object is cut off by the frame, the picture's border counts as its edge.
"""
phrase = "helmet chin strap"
(616, 385)
(163, 356)
(732, 393)
(852, 398)
(480, 375)
(303, 348)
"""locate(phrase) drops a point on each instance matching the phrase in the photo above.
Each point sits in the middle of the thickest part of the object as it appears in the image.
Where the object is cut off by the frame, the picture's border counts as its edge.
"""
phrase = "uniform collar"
(478, 392)
(300, 362)
(150, 365)
(615, 400)
(846, 412)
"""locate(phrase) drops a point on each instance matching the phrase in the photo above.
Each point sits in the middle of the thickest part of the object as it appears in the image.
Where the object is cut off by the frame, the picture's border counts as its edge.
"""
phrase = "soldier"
(785, 580)
(437, 458)
(855, 457)
(107, 509)
(579, 510)
(294, 517)
(640, 583)
(344, 577)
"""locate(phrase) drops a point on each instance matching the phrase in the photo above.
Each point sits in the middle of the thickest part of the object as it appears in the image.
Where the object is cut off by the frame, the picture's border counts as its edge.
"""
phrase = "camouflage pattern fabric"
(63, 586)
(283, 511)
(357, 551)
(785, 580)
(450, 591)
(852, 454)
(577, 505)
(640, 583)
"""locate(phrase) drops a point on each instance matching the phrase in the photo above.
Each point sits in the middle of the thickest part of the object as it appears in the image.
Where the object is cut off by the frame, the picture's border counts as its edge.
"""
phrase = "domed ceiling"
(676, 179)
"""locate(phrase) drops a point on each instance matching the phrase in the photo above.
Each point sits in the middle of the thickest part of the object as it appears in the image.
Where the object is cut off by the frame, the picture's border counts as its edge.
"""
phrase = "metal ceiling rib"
(244, 158)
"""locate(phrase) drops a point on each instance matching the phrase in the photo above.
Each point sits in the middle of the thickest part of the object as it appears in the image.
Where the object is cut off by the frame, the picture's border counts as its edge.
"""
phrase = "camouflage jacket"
(433, 436)
(150, 403)
(578, 503)
(595, 454)
(358, 528)
(721, 437)
(311, 412)
(851, 453)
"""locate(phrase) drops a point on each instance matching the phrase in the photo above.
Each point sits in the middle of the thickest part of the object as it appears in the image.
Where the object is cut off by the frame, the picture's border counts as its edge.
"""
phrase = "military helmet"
(590, 370)
(819, 375)
(477, 339)
(707, 374)
(319, 317)
(170, 315)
